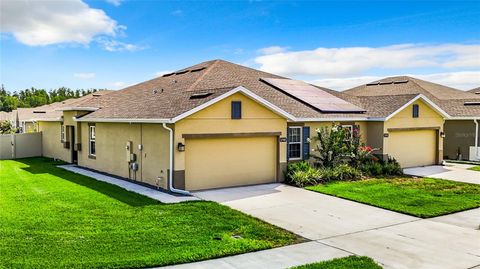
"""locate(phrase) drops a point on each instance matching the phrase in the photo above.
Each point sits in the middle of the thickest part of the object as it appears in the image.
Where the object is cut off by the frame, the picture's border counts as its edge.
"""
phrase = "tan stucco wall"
(217, 119)
(111, 154)
(427, 118)
(52, 146)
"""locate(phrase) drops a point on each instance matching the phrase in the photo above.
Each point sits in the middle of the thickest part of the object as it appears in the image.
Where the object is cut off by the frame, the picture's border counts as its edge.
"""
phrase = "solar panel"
(313, 96)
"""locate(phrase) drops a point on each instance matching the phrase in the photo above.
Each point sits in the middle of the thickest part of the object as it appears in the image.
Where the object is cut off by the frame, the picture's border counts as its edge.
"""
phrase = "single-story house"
(462, 108)
(218, 124)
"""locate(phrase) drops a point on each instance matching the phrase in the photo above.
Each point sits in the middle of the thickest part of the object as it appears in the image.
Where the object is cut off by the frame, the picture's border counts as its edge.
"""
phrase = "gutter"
(170, 171)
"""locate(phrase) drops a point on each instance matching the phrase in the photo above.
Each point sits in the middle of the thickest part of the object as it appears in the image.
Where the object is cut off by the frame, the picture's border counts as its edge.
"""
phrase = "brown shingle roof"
(449, 99)
(475, 91)
(169, 96)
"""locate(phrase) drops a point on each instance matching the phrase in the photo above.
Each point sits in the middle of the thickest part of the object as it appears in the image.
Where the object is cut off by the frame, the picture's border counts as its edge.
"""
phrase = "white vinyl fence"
(14, 146)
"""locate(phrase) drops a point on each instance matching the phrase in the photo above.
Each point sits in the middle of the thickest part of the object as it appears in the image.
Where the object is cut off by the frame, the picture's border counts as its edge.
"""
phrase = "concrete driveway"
(450, 171)
(392, 239)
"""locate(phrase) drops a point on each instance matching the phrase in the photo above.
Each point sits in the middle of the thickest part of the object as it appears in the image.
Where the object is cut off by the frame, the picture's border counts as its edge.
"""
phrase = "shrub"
(389, 167)
(296, 166)
(372, 168)
(331, 147)
(340, 172)
(305, 178)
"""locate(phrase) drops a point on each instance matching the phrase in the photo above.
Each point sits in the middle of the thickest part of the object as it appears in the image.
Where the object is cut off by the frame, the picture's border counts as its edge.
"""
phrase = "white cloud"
(115, 2)
(114, 45)
(464, 80)
(84, 75)
(272, 50)
(352, 61)
(40, 23)
(120, 84)
(177, 13)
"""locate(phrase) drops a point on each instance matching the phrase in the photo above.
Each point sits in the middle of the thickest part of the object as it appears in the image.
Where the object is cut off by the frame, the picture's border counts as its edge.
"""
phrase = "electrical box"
(133, 157)
(129, 149)
(134, 166)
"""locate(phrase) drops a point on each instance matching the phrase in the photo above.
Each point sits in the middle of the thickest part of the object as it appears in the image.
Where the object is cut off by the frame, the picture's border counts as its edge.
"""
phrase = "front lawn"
(475, 168)
(421, 197)
(350, 262)
(52, 218)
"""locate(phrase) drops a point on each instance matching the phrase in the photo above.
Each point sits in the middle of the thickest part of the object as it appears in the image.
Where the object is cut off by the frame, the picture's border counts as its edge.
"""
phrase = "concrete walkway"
(154, 194)
(393, 240)
(277, 258)
(450, 171)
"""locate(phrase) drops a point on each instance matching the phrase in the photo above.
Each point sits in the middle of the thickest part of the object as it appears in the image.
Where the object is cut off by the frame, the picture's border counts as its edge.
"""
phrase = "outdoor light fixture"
(442, 134)
(181, 147)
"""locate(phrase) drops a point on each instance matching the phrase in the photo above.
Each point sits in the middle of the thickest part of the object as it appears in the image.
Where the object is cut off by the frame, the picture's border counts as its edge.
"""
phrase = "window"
(348, 132)
(416, 111)
(294, 143)
(236, 110)
(62, 133)
(91, 140)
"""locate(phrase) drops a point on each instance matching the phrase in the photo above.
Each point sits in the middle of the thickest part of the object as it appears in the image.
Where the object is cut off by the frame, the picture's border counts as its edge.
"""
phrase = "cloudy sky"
(114, 43)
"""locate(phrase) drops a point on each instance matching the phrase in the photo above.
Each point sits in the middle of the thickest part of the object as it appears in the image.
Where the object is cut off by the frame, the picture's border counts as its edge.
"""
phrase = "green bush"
(372, 168)
(301, 174)
(305, 178)
(340, 172)
(392, 168)
(293, 167)
(389, 167)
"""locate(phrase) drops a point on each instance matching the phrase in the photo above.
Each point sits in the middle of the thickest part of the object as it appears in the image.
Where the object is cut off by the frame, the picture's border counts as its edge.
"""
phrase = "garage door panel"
(225, 162)
(413, 148)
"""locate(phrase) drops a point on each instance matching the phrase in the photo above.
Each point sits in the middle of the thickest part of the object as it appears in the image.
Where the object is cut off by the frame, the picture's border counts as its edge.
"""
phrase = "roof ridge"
(194, 84)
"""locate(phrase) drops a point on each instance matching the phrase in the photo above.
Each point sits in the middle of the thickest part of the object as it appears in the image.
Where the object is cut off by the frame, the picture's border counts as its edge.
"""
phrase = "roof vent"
(400, 81)
(43, 112)
(167, 75)
(373, 84)
(181, 72)
(474, 103)
(197, 69)
(385, 83)
(155, 91)
(200, 95)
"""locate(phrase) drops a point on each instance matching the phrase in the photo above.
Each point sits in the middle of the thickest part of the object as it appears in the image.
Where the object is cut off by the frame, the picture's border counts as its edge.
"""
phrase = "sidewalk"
(277, 258)
(154, 194)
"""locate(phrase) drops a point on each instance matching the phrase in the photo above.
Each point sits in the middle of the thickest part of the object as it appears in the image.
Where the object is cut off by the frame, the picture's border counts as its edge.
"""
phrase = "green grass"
(350, 262)
(52, 218)
(421, 197)
(475, 168)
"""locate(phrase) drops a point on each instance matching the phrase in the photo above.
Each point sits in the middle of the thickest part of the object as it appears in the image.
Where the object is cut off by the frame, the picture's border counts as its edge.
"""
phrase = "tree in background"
(6, 127)
(37, 97)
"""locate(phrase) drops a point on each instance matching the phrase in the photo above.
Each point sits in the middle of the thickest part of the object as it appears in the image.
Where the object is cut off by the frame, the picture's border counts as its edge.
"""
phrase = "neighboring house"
(218, 124)
(475, 91)
(463, 110)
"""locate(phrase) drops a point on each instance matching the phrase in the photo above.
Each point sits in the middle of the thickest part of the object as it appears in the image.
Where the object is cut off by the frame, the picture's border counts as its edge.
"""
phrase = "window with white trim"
(91, 140)
(62, 133)
(348, 132)
(294, 143)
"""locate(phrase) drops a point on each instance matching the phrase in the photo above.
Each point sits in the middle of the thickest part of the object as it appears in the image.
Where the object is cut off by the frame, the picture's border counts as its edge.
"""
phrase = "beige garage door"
(413, 148)
(226, 162)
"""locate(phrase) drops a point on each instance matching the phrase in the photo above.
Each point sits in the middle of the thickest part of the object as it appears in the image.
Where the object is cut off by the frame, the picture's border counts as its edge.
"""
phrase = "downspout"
(476, 138)
(170, 171)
